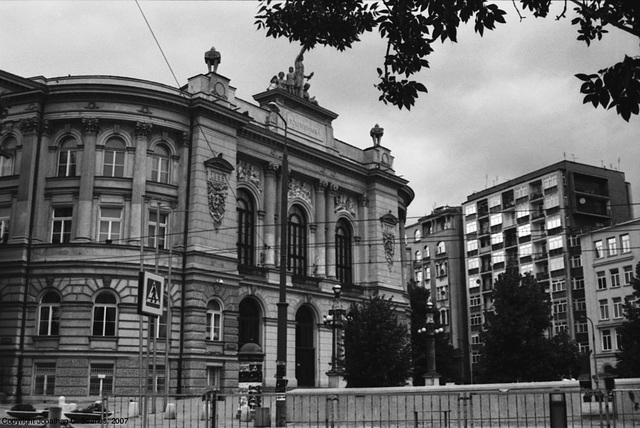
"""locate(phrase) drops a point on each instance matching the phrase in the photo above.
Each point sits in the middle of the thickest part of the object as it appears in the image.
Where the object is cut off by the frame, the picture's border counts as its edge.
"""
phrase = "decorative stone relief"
(90, 126)
(249, 173)
(299, 189)
(106, 281)
(218, 170)
(344, 203)
(29, 125)
(389, 222)
(143, 129)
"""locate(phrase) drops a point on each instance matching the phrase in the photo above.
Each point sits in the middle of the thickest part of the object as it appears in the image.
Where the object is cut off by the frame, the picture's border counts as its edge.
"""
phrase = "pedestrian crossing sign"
(150, 294)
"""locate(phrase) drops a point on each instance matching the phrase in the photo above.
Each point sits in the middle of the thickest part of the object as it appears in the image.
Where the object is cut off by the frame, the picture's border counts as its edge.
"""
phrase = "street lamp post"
(335, 321)
(431, 378)
(281, 357)
(594, 375)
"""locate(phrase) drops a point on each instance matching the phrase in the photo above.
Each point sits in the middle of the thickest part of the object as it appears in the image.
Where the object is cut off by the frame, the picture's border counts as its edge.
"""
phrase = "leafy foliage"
(629, 334)
(515, 346)
(411, 27)
(377, 345)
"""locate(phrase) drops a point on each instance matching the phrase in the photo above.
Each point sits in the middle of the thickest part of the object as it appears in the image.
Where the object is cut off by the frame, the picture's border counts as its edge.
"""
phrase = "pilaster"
(85, 198)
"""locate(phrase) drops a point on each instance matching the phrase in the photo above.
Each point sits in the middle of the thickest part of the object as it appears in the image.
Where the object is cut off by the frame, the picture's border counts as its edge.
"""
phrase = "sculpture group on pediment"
(249, 173)
(298, 189)
(344, 203)
(294, 81)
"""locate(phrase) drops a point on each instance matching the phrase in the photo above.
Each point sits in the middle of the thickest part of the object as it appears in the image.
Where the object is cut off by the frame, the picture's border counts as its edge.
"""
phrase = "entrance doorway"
(305, 349)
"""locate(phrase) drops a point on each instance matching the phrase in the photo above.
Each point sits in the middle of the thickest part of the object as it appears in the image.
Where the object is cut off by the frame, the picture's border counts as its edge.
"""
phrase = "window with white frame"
(524, 230)
(522, 210)
(474, 281)
(496, 274)
(554, 222)
(551, 201)
(61, 222)
(607, 345)
(495, 219)
(497, 257)
(577, 283)
(602, 280)
(598, 247)
(425, 252)
(475, 357)
(49, 314)
(576, 261)
(101, 375)
(441, 248)
(67, 158)
(614, 274)
(559, 307)
(497, 238)
(550, 181)
(157, 229)
(444, 316)
(471, 227)
(156, 381)
(160, 164)
(5, 221)
(105, 314)
(8, 157)
(559, 327)
(417, 235)
(558, 285)
(442, 292)
(475, 319)
(475, 339)
(617, 307)
(470, 209)
(525, 250)
(418, 276)
(473, 263)
(214, 320)
(555, 242)
(441, 269)
(625, 244)
(574, 241)
(527, 267)
(418, 255)
(213, 377)
(427, 273)
(604, 309)
(556, 263)
(472, 245)
(521, 191)
(44, 378)
(110, 227)
(612, 249)
(628, 274)
(160, 330)
(494, 201)
(580, 304)
(113, 162)
(581, 327)
(475, 301)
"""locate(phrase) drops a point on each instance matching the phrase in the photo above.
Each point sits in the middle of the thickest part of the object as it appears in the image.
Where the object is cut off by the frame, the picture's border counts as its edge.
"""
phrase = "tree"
(629, 334)
(412, 27)
(377, 345)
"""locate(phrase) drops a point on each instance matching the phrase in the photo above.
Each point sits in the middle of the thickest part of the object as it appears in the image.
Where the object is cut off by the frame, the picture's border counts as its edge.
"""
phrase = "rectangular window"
(471, 227)
(581, 327)
(494, 201)
(551, 201)
(556, 263)
(476, 319)
(522, 210)
(97, 372)
(528, 267)
(521, 191)
(472, 245)
(550, 181)
(474, 281)
(580, 304)
(625, 244)
(475, 301)
(427, 273)
(113, 165)
(475, 339)
(157, 229)
(628, 274)
(67, 163)
(574, 241)
(473, 263)
(497, 257)
(611, 246)
(525, 250)
(560, 307)
(558, 285)
(418, 276)
(44, 378)
(470, 209)
(524, 230)
(61, 225)
(598, 247)
(110, 224)
(555, 242)
(156, 383)
(5, 213)
(495, 219)
(213, 377)
(614, 274)
(617, 307)
(604, 309)
(554, 222)
(606, 340)
(576, 261)
(578, 283)
(559, 327)
(475, 357)
(602, 280)
(496, 238)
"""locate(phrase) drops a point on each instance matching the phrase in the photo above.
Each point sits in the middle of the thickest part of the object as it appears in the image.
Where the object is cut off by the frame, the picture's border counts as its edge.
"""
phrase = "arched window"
(8, 157)
(105, 314)
(214, 320)
(418, 255)
(441, 249)
(160, 164)
(246, 222)
(417, 236)
(297, 242)
(249, 319)
(49, 314)
(344, 255)
(113, 164)
(67, 158)
(5, 220)
(425, 252)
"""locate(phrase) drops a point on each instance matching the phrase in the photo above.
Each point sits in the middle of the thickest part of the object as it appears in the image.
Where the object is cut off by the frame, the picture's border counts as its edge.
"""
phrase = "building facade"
(103, 177)
(435, 252)
(534, 222)
(610, 256)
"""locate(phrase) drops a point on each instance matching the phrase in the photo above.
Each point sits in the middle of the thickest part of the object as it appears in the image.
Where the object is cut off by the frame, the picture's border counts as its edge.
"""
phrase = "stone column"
(321, 251)
(330, 223)
(270, 214)
(142, 132)
(85, 199)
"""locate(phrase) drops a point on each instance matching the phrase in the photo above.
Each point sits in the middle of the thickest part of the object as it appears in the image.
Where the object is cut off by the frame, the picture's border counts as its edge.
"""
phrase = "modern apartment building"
(435, 247)
(534, 222)
(102, 177)
(609, 258)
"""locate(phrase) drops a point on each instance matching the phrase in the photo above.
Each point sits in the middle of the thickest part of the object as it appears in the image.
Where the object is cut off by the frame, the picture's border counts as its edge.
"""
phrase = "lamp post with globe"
(431, 378)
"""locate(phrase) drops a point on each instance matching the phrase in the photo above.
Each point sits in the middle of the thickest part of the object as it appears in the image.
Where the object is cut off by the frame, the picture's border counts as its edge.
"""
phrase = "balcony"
(256, 271)
(306, 281)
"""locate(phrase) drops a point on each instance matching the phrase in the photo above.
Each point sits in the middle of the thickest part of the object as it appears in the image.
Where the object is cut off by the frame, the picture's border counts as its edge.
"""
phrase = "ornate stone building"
(91, 167)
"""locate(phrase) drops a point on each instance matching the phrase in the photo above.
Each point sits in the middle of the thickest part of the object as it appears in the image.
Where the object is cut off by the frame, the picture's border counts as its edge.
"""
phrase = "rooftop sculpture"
(294, 80)
(212, 57)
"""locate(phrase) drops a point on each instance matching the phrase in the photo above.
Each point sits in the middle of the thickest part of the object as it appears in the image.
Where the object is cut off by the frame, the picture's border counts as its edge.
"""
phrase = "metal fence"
(385, 408)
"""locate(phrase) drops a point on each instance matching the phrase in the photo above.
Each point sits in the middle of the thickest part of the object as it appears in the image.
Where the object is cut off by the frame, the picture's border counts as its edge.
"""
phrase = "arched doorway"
(249, 322)
(305, 347)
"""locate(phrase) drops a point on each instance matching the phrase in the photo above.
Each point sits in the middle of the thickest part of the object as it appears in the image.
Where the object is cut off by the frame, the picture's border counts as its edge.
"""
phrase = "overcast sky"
(498, 106)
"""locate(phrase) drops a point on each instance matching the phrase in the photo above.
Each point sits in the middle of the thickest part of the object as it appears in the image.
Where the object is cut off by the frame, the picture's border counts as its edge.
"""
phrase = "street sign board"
(150, 294)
